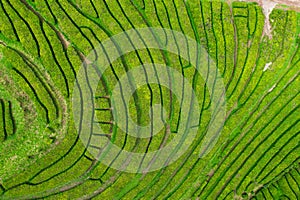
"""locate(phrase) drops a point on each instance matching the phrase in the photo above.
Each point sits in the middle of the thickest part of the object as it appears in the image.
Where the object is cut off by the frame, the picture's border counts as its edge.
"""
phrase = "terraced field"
(158, 99)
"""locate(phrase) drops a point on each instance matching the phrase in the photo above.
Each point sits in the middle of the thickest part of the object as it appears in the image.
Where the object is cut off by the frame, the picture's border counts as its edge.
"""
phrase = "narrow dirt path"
(268, 6)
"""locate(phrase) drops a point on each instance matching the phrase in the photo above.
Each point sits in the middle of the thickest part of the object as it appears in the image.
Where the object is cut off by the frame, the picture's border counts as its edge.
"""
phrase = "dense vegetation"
(44, 43)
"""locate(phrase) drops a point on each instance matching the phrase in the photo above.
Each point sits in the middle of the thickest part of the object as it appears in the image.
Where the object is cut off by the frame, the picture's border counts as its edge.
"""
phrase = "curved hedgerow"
(44, 43)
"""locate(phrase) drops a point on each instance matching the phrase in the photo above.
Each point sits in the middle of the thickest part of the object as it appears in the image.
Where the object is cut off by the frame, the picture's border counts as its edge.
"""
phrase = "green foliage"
(42, 46)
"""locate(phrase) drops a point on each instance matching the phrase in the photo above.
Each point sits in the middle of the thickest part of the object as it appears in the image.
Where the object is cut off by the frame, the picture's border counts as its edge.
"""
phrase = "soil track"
(269, 5)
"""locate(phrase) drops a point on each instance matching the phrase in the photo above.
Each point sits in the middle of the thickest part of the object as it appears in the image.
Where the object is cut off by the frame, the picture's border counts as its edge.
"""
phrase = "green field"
(43, 46)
